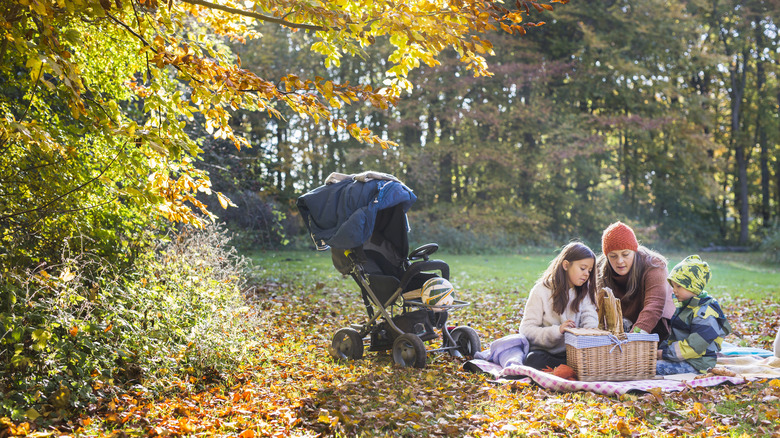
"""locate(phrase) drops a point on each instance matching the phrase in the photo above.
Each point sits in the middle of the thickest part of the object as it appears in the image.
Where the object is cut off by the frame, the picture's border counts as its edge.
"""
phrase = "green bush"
(76, 333)
(459, 241)
(477, 231)
(771, 244)
(259, 223)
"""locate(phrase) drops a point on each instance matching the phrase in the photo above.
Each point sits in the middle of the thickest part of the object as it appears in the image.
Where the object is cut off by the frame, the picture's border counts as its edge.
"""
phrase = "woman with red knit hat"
(637, 276)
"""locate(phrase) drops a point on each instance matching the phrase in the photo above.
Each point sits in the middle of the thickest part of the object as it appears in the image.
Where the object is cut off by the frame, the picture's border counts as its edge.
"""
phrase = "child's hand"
(660, 354)
(566, 325)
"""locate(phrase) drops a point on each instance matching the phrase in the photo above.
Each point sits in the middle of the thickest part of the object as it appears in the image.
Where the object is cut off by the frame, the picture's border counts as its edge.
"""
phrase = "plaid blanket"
(549, 381)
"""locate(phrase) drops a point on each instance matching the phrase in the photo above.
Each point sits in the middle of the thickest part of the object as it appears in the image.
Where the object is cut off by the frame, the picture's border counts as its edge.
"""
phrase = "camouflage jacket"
(697, 331)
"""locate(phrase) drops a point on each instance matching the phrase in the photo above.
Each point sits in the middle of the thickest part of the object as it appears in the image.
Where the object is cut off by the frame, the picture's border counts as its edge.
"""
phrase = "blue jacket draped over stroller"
(343, 214)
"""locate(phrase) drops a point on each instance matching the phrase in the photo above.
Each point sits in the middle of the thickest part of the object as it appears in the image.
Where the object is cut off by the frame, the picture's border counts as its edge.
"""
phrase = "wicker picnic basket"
(607, 353)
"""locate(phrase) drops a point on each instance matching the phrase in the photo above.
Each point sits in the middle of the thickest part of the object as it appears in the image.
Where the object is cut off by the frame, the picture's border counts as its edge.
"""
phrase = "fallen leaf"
(623, 428)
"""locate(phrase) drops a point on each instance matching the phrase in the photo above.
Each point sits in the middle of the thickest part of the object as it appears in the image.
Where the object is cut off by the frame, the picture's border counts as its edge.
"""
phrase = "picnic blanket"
(752, 367)
(729, 349)
(503, 361)
(506, 351)
(549, 381)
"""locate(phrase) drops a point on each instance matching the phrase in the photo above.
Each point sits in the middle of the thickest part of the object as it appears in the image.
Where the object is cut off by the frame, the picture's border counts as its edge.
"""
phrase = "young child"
(562, 298)
(698, 325)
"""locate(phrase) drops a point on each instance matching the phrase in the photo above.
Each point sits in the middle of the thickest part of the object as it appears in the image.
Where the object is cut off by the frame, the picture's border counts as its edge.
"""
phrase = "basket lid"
(605, 338)
(588, 332)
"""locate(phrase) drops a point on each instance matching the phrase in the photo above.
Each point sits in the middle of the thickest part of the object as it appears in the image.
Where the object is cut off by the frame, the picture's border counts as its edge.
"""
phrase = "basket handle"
(610, 319)
(608, 292)
(604, 294)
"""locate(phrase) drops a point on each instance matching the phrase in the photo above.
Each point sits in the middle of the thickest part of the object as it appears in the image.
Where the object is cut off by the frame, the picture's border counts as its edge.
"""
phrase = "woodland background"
(146, 147)
(661, 114)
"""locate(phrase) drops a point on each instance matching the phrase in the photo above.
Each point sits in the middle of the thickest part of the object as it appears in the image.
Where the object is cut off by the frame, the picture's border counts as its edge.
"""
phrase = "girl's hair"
(644, 258)
(556, 280)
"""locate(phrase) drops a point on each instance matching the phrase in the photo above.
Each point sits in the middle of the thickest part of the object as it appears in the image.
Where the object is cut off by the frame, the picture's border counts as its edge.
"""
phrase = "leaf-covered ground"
(298, 390)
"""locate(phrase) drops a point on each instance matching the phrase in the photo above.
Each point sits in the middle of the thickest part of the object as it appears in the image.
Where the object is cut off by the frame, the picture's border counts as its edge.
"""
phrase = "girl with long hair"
(562, 298)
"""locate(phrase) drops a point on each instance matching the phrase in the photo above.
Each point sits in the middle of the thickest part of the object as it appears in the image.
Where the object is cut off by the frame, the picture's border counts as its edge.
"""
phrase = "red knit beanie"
(618, 236)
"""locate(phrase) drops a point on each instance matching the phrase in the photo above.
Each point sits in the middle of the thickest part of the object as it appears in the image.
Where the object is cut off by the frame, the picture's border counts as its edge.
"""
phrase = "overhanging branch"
(255, 15)
(79, 187)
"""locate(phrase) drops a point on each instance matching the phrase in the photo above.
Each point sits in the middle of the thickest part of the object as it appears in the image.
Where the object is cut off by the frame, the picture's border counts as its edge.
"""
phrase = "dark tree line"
(664, 114)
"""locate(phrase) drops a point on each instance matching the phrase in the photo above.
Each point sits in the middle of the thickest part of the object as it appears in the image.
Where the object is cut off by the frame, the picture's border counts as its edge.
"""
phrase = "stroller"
(362, 220)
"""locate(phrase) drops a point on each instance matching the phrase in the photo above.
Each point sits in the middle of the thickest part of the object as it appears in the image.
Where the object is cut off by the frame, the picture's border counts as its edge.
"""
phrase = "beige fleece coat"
(541, 324)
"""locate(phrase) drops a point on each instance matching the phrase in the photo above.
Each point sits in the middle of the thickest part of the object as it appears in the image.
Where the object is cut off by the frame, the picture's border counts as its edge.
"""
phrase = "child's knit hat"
(618, 236)
(693, 273)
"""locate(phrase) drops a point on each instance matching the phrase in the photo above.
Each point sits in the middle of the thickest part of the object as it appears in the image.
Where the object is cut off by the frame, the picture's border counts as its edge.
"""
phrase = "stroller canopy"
(343, 214)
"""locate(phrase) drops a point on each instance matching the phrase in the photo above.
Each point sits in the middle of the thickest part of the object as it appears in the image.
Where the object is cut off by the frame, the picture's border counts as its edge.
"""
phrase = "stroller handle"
(428, 265)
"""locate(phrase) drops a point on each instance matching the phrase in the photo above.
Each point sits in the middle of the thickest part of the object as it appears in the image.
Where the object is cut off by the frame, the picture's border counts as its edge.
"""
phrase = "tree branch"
(255, 15)
(79, 187)
(74, 210)
(129, 29)
(32, 93)
(146, 43)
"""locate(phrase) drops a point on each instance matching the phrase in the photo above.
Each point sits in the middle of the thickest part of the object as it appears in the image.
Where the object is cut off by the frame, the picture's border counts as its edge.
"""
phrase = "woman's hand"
(660, 354)
(566, 325)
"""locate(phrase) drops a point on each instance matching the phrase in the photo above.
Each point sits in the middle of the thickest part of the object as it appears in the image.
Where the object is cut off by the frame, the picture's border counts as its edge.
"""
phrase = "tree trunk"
(738, 75)
(445, 162)
(625, 178)
(529, 165)
(281, 130)
(445, 178)
(777, 175)
(761, 134)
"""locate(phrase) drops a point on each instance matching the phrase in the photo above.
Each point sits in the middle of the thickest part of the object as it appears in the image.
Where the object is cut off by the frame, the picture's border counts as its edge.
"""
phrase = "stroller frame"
(364, 224)
(408, 347)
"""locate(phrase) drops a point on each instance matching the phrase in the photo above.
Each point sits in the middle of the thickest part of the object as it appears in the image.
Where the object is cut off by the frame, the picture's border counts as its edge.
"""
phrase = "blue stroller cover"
(343, 214)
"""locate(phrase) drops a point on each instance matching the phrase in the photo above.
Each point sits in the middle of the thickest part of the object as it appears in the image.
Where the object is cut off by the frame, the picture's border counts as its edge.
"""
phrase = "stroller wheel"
(466, 340)
(347, 344)
(409, 350)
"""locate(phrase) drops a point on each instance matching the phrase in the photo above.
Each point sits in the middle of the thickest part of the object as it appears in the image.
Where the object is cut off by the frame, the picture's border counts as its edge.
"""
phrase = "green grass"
(743, 275)
(305, 301)
(300, 267)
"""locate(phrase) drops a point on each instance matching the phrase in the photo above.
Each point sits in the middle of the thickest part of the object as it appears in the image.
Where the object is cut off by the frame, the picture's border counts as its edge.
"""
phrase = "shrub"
(75, 333)
(476, 230)
(770, 245)
(259, 223)
(458, 241)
